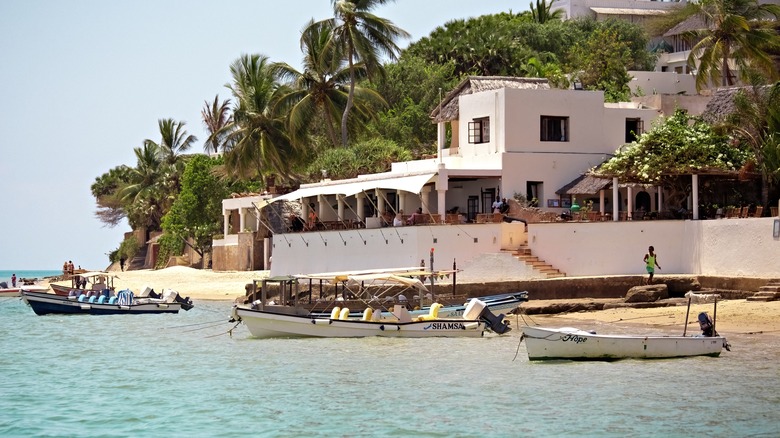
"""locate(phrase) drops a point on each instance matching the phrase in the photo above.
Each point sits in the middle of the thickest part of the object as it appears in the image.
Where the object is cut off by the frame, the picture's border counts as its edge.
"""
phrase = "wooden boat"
(274, 322)
(575, 344)
(265, 319)
(94, 303)
(85, 281)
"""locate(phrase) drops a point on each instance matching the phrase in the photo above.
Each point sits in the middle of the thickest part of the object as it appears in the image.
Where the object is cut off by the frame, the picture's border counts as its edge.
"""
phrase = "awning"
(349, 187)
(627, 11)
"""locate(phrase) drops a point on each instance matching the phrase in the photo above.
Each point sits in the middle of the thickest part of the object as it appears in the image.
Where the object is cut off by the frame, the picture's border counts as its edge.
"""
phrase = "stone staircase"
(139, 260)
(768, 292)
(524, 255)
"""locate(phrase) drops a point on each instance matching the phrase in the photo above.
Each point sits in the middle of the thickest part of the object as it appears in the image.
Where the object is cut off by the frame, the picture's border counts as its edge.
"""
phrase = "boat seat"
(82, 297)
(334, 314)
(433, 313)
(112, 300)
(367, 314)
(92, 298)
(344, 313)
(102, 299)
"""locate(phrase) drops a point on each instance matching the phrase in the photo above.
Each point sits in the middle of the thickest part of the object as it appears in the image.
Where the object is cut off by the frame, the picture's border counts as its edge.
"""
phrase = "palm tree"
(216, 117)
(541, 13)
(320, 90)
(257, 140)
(144, 197)
(756, 122)
(737, 36)
(362, 37)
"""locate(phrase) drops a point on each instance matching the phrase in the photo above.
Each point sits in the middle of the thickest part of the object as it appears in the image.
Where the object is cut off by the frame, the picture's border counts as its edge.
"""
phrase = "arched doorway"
(642, 201)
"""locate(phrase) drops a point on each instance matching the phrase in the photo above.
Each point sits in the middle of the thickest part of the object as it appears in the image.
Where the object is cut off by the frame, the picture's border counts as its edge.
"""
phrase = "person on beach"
(122, 263)
(651, 262)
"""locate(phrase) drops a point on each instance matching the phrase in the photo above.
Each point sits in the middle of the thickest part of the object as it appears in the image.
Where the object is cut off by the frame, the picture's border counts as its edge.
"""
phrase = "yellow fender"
(334, 314)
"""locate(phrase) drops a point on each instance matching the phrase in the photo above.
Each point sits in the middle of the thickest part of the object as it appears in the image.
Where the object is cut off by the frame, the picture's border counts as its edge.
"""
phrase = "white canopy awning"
(349, 187)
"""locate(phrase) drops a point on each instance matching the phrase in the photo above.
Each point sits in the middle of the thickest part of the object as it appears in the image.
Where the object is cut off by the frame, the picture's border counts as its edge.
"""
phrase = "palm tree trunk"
(348, 107)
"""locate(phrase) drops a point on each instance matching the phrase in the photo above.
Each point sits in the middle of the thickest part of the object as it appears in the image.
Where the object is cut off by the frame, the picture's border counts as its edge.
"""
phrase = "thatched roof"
(694, 22)
(584, 185)
(721, 105)
(448, 110)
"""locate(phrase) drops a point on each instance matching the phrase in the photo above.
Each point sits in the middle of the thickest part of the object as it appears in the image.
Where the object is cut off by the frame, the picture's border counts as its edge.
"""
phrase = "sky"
(85, 82)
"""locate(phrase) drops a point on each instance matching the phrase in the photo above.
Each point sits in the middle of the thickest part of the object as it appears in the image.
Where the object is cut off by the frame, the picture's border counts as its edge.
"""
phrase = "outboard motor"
(705, 323)
(477, 309)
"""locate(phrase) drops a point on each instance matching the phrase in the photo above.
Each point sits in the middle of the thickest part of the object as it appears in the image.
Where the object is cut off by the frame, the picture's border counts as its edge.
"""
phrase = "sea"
(5, 275)
(196, 374)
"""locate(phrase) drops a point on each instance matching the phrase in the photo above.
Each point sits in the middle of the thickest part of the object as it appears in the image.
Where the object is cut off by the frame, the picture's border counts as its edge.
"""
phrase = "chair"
(773, 210)
(759, 211)
(497, 218)
(744, 212)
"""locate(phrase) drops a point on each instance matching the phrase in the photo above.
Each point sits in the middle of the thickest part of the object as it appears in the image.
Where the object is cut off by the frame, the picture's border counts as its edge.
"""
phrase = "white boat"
(265, 319)
(575, 344)
(273, 322)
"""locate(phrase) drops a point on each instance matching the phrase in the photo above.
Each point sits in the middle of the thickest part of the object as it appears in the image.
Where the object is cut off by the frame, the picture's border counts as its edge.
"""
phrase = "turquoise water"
(183, 375)
(39, 274)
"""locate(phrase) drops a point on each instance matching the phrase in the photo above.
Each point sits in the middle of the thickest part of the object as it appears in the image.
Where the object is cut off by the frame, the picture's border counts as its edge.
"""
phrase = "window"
(554, 129)
(634, 128)
(479, 130)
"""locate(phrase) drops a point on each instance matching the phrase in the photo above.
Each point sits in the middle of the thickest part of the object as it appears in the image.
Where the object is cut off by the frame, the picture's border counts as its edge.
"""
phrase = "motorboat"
(124, 302)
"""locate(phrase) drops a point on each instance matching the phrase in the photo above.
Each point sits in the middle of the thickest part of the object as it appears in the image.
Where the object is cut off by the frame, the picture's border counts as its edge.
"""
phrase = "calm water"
(182, 375)
(39, 274)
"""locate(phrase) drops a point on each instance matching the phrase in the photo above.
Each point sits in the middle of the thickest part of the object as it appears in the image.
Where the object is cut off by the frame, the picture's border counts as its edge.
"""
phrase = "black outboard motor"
(3, 285)
(477, 309)
(705, 323)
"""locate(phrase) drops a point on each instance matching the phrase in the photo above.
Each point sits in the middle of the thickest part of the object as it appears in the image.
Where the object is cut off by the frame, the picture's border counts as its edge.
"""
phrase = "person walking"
(122, 263)
(651, 262)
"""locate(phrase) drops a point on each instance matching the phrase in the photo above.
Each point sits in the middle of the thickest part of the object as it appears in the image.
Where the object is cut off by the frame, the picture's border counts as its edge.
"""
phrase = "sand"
(733, 316)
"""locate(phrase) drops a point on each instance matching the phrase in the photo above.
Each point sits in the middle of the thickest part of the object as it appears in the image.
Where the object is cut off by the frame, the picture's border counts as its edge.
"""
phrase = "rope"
(229, 332)
(192, 325)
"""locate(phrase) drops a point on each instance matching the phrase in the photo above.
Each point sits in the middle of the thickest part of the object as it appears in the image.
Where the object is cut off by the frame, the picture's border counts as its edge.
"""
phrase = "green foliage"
(127, 249)
(197, 212)
(370, 156)
(412, 88)
(601, 61)
(678, 145)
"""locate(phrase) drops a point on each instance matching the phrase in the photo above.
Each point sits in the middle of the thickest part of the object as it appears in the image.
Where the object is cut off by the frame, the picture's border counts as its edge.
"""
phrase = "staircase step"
(770, 288)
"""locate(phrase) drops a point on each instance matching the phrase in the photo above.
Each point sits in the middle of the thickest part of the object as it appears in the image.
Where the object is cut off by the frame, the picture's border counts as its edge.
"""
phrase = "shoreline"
(733, 315)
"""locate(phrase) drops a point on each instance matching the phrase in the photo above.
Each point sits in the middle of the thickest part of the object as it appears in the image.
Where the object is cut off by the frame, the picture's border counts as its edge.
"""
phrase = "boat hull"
(569, 343)
(263, 324)
(46, 303)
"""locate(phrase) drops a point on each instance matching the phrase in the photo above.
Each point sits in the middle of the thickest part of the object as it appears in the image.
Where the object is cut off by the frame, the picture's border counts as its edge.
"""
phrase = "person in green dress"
(651, 262)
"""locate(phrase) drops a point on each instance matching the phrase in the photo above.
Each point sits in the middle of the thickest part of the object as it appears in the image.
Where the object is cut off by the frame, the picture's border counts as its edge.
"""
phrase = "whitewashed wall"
(731, 247)
(727, 247)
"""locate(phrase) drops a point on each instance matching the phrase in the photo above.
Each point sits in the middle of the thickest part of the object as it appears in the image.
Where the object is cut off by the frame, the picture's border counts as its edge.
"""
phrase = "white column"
(380, 201)
(442, 184)
(340, 206)
(695, 193)
(241, 219)
(615, 199)
(653, 207)
(321, 202)
(629, 202)
(660, 198)
(401, 195)
(304, 209)
(602, 207)
(441, 136)
(425, 199)
(361, 208)
(225, 222)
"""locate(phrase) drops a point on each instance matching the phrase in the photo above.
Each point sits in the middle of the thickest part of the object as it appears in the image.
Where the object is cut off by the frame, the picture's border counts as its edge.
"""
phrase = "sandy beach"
(733, 316)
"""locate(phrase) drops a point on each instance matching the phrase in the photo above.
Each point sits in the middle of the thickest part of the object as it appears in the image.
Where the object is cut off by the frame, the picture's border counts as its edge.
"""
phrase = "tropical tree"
(145, 196)
(105, 189)
(216, 118)
(320, 91)
(363, 38)
(258, 144)
(542, 14)
(601, 63)
(675, 146)
(196, 215)
(755, 124)
(736, 36)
